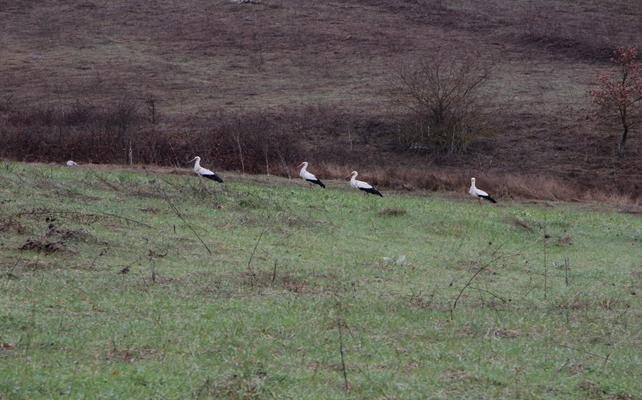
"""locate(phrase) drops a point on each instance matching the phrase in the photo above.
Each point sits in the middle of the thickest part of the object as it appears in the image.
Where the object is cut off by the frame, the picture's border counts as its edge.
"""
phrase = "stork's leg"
(480, 202)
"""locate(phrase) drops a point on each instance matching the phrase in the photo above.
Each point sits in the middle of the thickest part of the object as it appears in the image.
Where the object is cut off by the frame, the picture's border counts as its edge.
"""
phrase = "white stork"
(204, 172)
(479, 194)
(308, 176)
(72, 163)
(365, 187)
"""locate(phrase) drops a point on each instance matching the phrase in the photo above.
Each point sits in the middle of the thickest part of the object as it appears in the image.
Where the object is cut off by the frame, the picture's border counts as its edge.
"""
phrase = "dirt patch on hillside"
(44, 246)
(10, 224)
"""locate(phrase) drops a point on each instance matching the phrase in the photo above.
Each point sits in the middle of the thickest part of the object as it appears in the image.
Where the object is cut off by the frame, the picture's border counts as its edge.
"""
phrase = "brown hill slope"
(322, 69)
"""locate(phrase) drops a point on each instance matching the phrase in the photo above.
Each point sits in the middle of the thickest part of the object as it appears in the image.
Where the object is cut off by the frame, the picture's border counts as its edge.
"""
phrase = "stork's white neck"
(197, 164)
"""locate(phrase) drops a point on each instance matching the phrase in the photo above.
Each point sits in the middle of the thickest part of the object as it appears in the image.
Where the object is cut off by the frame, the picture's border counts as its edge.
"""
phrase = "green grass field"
(106, 291)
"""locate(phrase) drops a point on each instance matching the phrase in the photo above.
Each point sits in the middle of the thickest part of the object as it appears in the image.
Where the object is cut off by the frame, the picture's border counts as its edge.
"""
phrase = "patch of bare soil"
(234, 386)
(504, 333)
(127, 355)
(10, 224)
(55, 239)
(67, 234)
(7, 346)
(44, 246)
(278, 280)
(453, 375)
(521, 224)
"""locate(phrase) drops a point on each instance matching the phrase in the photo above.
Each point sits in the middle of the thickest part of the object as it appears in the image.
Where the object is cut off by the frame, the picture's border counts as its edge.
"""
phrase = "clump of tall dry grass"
(501, 185)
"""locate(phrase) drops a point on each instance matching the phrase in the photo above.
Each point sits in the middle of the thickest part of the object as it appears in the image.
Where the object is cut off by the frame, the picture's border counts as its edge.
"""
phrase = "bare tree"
(125, 115)
(441, 97)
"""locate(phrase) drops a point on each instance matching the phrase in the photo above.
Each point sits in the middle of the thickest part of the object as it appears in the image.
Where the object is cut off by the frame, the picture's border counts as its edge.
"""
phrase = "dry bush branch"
(494, 257)
(182, 218)
(256, 245)
(441, 96)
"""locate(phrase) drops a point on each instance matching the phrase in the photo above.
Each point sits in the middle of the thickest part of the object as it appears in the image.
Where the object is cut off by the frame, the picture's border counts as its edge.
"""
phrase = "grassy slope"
(72, 326)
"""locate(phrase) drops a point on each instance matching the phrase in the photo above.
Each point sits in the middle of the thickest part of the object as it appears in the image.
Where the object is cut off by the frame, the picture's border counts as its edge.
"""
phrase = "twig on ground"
(495, 295)
(605, 358)
(116, 188)
(495, 257)
(545, 261)
(274, 272)
(249, 262)
(346, 384)
(93, 262)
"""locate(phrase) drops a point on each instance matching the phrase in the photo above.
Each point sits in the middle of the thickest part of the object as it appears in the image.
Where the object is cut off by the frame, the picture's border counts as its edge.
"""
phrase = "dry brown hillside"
(318, 69)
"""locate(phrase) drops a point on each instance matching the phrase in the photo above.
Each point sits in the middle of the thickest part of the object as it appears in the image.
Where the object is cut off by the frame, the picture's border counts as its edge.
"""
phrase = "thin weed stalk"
(182, 218)
(249, 262)
(544, 242)
(495, 256)
(344, 369)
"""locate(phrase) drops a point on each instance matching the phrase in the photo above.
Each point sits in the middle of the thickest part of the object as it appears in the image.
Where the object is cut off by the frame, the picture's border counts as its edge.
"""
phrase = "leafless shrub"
(79, 131)
(441, 97)
(126, 132)
(6, 104)
(124, 115)
(150, 104)
(249, 143)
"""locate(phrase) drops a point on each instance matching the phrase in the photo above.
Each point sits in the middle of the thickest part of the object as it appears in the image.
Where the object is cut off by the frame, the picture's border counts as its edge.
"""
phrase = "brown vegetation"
(258, 87)
(43, 246)
(120, 133)
(619, 92)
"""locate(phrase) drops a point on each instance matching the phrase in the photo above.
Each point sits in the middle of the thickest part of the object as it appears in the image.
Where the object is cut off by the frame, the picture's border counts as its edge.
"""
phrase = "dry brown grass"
(416, 181)
(501, 186)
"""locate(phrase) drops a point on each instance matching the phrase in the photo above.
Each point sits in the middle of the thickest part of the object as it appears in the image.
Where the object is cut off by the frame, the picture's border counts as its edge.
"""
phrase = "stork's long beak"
(193, 159)
(300, 165)
(349, 177)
